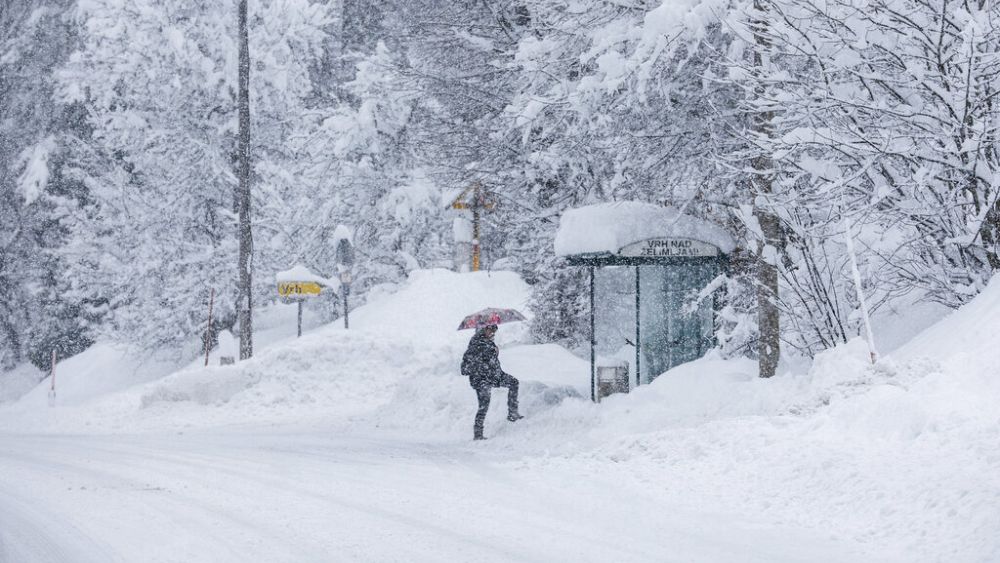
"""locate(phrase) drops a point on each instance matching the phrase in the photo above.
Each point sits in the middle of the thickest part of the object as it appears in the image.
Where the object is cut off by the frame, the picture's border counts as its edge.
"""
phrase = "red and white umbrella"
(490, 316)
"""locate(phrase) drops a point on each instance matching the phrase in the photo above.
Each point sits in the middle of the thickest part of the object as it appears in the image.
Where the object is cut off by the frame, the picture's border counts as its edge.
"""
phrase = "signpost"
(345, 261)
(299, 289)
(479, 201)
(299, 284)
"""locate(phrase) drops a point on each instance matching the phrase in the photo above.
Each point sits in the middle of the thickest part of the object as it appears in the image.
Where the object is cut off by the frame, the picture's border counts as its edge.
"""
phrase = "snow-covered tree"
(41, 307)
(159, 85)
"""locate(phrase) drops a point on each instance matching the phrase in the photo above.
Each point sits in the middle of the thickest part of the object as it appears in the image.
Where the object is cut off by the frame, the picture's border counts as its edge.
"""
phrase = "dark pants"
(483, 391)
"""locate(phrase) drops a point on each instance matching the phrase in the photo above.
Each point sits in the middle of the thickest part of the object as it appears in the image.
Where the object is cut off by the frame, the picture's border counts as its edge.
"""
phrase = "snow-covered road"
(267, 495)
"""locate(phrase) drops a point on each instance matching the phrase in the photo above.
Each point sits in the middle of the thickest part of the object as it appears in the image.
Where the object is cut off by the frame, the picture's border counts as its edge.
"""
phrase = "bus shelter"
(653, 276)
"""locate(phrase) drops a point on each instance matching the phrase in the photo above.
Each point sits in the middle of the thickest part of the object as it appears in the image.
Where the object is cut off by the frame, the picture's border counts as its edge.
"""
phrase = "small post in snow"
(297, 285)
(857, 285)
(208, 329)
(52, 376)
(345, 288)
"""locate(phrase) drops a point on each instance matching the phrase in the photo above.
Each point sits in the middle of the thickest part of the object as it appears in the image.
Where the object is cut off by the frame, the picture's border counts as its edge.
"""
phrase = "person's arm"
(494, 360)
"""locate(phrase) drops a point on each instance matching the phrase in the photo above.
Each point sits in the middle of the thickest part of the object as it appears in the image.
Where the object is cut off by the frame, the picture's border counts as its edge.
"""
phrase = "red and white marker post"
(52, 376)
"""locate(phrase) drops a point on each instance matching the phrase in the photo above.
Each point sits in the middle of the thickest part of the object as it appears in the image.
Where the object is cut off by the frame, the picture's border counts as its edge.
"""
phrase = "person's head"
(489, 331)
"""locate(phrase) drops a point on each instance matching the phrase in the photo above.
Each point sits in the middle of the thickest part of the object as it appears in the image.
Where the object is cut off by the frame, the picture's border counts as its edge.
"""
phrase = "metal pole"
(347, 289)
(300, 319)
(208, 329)
(593, 341)
(638, 334)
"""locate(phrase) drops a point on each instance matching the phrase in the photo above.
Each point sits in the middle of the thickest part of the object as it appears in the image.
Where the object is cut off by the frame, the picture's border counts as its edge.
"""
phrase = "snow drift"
(902, 457)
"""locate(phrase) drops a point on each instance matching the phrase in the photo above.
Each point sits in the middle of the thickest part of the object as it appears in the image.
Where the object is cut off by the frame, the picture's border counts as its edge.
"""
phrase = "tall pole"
(244, 303)
(475, 226)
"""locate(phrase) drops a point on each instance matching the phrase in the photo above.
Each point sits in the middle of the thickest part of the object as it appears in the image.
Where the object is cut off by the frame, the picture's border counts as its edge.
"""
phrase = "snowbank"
(101, 369)
(18, 381)
(402, 346)
(433, 302)
(902, 456)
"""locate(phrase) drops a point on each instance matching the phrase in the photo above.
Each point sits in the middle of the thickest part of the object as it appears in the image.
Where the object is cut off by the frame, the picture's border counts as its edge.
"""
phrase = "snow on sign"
(300, 282)
(299, 289)
(668, 247)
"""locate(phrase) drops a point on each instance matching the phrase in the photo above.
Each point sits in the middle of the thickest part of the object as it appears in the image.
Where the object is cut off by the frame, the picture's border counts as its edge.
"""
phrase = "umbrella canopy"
(491, 316)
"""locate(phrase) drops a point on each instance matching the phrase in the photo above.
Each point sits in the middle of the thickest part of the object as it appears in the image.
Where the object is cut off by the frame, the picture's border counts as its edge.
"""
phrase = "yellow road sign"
(299, 289)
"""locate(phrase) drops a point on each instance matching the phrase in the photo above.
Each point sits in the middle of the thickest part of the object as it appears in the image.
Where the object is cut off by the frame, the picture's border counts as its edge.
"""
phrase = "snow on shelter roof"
(607, 227)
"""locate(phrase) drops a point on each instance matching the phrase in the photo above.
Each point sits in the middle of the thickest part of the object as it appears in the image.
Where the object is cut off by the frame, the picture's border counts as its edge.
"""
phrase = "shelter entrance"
(674, 325)
(652, 298)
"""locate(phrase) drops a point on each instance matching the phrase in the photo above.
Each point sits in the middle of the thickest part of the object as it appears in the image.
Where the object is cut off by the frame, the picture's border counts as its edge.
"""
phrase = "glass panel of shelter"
(615, 315)
(671, 332)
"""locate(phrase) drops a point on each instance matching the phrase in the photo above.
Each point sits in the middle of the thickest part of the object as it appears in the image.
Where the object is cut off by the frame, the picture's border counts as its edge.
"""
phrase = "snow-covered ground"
(354, 445)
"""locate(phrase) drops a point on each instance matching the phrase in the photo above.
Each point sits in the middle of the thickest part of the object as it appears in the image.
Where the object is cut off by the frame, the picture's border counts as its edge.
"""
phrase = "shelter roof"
(608, 227)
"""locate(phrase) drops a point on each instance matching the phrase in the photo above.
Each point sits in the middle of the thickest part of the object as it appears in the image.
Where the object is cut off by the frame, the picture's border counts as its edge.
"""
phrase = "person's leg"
(483, 395)
(511, 383)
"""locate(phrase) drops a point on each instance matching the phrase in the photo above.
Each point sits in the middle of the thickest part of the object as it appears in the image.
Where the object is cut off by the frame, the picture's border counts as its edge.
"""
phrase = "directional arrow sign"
(299, 289)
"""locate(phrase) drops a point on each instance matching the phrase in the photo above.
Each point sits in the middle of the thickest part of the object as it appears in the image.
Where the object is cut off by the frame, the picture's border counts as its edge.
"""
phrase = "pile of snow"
(108, 368)
(432, 304)
(607, 227)
(18, 381)
(102, 369)
(902, 456)
(403, 348)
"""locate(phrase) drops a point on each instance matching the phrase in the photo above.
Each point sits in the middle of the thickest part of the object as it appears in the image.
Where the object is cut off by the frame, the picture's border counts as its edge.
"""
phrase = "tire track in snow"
(369, 499)
(148, 514)
(29, 532)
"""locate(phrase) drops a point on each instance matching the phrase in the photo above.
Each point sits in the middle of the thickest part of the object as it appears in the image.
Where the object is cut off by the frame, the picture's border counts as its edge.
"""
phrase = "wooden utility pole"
(476, 203)
(479, 203)
(768, 314)
(244, 302)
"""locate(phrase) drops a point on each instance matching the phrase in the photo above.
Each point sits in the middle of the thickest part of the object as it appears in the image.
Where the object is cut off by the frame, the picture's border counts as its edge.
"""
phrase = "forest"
(800, 126)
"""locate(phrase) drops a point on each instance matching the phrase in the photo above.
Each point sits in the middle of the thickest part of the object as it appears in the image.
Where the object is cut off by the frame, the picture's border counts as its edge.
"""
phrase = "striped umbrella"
(490, 316)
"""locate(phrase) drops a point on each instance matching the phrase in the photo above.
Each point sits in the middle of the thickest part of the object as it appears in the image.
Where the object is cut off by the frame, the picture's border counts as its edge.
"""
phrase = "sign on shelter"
(669, 247)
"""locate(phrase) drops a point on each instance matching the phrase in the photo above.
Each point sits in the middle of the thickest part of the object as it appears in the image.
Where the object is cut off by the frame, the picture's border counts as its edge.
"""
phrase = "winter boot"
(514, 417)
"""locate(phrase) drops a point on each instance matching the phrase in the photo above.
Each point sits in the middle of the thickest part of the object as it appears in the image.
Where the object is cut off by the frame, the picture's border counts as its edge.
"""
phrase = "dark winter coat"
(481, 361)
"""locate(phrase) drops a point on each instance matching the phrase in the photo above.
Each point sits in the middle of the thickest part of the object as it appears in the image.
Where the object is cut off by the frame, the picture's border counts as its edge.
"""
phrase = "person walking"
(481, 363)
